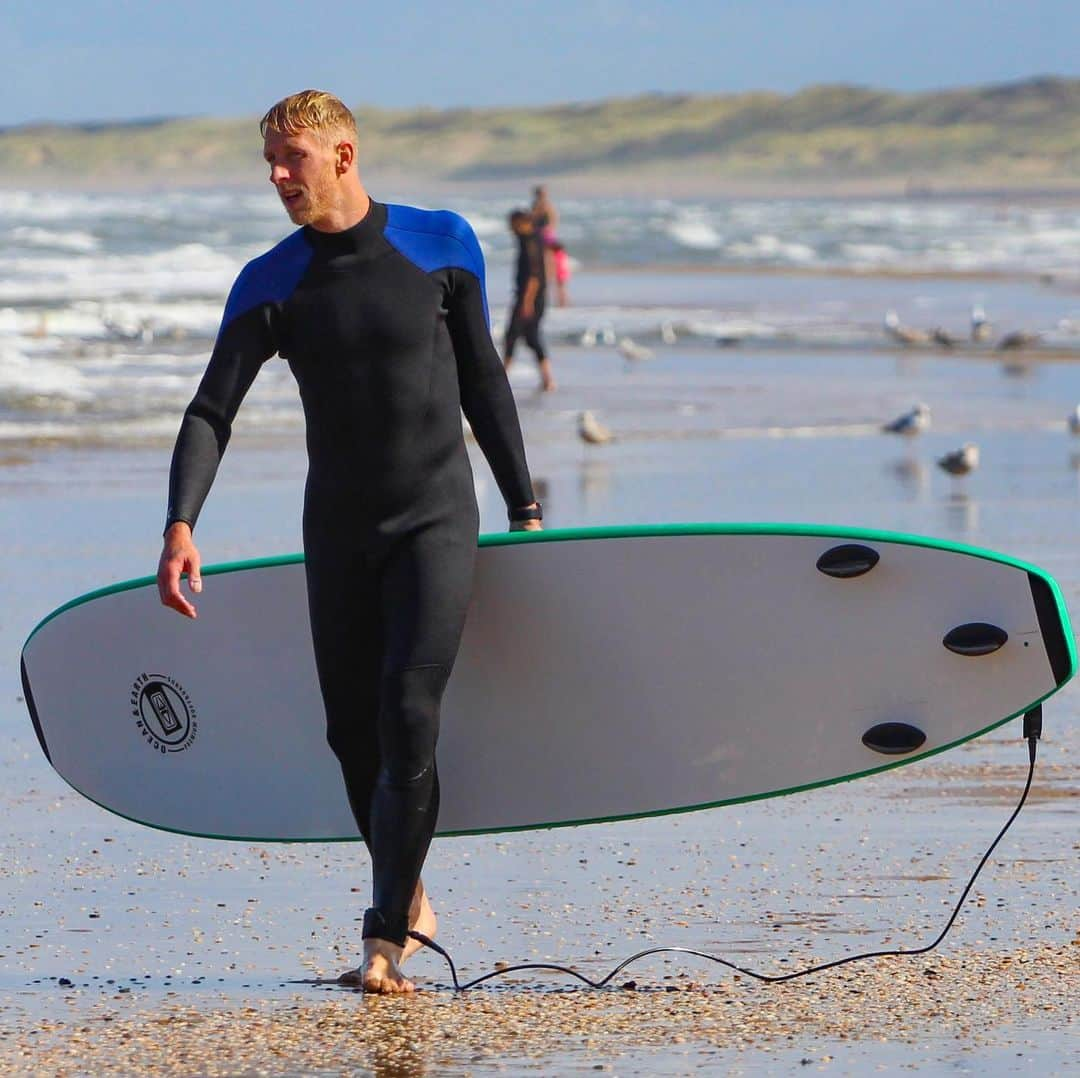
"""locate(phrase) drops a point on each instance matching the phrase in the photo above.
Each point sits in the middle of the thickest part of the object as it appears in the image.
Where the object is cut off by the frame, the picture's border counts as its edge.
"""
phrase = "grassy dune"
(1020, 135)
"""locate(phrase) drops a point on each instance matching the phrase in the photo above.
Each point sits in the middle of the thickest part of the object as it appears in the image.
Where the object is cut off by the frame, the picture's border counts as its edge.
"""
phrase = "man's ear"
(346, 155)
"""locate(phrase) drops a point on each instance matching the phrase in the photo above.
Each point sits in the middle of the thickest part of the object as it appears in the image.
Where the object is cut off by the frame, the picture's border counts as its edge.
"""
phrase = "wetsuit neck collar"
(365, 238)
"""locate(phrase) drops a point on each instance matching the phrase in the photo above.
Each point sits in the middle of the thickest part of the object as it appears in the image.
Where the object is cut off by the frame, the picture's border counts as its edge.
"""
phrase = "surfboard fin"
(848, 560)
(893, 738)
(975, 638)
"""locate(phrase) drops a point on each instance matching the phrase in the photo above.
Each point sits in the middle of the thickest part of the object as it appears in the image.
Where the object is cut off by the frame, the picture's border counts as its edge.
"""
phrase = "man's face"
(304, 169)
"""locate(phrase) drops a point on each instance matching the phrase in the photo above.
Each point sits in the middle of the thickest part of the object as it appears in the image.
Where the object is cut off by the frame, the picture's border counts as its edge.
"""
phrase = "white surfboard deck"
(604, 673)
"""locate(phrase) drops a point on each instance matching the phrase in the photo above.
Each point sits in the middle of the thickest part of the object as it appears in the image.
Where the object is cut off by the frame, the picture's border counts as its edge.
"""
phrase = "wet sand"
(183, 955)
(149, 953)
(941, 1012)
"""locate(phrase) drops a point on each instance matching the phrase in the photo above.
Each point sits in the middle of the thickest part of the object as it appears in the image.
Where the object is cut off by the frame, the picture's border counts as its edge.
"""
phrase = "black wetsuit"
(530, 264)
(385, 328)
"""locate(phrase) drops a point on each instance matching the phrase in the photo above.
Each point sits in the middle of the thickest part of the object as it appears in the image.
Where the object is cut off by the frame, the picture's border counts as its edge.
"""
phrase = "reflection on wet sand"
(911, 473)
(595, 478)
(962, 513)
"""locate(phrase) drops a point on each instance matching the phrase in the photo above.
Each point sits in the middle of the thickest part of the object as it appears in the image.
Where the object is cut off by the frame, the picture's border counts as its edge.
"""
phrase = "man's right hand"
(179, 555)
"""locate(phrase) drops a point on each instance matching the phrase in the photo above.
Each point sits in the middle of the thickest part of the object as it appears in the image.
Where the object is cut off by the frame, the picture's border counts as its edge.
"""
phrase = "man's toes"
(388, 986)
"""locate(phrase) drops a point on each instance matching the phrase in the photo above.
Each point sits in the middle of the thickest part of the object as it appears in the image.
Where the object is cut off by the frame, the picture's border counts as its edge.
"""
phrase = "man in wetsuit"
(381, 314)
(530, 292)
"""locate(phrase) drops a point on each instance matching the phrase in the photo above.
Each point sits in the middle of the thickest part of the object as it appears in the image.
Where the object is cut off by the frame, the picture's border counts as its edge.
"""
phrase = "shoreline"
(873, 273)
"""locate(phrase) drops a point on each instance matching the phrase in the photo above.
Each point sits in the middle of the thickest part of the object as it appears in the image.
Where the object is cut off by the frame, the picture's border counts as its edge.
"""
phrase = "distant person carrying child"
(530, 291)
(544, 215)
(556, 260)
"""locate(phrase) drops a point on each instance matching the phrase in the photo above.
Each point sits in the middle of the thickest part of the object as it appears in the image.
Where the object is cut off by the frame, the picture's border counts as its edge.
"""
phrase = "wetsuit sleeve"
(486, 397)
(243, 344)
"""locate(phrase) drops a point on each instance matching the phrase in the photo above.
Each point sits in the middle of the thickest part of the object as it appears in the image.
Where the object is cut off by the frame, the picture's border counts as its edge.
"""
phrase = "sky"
(87, 60)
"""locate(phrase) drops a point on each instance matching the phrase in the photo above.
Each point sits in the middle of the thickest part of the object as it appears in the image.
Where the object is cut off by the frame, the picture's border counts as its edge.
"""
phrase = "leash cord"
(1032, 731)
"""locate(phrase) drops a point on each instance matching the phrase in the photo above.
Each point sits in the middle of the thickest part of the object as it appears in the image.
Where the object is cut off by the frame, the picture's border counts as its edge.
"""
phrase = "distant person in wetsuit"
(380, 312)
(530, 290)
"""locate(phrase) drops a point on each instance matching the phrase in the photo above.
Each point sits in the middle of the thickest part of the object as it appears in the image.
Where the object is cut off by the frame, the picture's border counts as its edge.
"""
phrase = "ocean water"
(109, 303)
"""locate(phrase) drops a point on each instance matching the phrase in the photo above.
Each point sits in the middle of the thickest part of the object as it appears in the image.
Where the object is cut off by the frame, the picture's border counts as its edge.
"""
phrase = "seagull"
(632, 351)
(980, 327)
(960, 461)
(904, 334)
(1074, 420)
(1017, 341)
(943, 338)
(910, 423)
(592, 431)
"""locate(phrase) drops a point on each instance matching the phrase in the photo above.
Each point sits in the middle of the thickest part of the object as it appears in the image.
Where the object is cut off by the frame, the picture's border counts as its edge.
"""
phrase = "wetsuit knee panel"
(409, 722)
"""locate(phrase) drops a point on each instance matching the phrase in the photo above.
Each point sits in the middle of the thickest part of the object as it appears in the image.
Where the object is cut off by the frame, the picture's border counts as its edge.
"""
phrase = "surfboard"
(604, 674)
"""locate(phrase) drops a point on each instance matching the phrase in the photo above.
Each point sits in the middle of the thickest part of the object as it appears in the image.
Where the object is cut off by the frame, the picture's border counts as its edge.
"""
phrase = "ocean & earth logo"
(163, 712)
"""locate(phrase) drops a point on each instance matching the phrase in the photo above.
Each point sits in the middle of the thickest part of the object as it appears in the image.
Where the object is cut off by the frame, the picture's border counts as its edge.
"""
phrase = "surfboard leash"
(1032, 733)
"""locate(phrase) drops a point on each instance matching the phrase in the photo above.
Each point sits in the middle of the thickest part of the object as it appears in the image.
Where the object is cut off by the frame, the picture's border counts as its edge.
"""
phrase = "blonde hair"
(310, 110)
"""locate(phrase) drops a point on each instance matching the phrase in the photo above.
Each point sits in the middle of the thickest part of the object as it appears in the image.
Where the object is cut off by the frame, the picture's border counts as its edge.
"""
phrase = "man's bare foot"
(381, 970)
(421, 919)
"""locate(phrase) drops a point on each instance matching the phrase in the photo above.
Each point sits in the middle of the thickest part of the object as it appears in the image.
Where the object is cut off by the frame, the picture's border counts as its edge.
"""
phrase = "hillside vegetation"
(1020, 135)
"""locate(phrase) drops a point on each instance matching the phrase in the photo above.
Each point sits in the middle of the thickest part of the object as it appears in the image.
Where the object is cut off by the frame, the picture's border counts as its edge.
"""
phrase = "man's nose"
(278, 173)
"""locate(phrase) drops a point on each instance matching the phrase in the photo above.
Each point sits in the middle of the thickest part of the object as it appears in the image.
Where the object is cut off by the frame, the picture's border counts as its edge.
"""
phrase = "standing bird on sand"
(592, 431)
(961, 461)
(1074, 420)
(895, 329)
(910, 423)
(943, 338)
(980, 327)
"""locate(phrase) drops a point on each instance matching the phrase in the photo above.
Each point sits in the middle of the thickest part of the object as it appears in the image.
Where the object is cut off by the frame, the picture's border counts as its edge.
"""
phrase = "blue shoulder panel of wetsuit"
(434, 240)
(270, 278)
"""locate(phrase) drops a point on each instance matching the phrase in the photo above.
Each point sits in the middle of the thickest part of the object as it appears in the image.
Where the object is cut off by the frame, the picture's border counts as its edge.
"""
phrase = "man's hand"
(526, 526)
(179, 555)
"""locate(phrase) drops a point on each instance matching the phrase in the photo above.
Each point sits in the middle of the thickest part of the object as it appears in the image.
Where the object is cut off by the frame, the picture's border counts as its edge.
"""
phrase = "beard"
(301, 210)
(309, 205)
